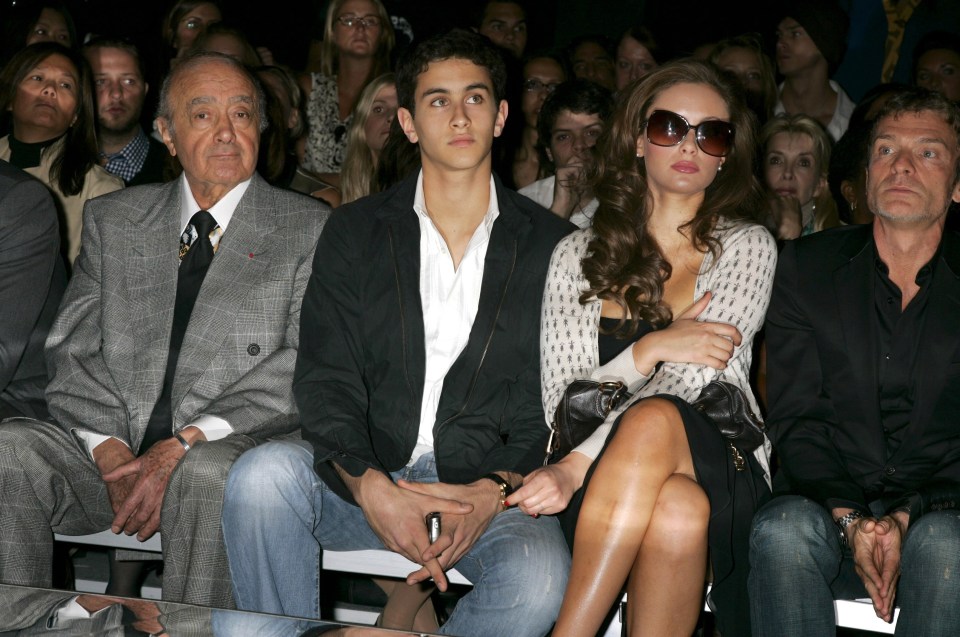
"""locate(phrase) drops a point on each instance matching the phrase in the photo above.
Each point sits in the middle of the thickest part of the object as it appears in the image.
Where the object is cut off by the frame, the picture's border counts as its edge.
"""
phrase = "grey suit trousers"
(50, 485)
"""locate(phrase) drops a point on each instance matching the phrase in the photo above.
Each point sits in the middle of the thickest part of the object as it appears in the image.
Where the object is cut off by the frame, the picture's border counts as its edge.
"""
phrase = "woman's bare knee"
(680, 517)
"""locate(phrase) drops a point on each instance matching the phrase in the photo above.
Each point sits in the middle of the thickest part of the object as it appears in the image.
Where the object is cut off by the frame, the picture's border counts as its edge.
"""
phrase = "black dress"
(734, 496)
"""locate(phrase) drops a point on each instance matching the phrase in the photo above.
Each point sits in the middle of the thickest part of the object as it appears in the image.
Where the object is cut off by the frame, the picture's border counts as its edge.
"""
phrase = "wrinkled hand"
(687, 340)
(140, 512)
(876, 555)
(458, 531)
(109, 455)
(397, 515)
(548, 489)
(786, 217)
(147, 616)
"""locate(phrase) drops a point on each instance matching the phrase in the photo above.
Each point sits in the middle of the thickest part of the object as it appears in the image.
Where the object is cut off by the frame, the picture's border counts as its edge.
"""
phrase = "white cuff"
(92, 440)
(213, 428)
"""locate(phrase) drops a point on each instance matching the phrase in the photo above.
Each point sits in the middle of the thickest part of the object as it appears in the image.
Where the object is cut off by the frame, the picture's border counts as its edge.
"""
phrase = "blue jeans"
(277, 514)
(798, 567)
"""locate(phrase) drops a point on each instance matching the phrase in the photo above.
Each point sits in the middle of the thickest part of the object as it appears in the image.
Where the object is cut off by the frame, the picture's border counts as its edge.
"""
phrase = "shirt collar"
(493, 207)
(222, 211)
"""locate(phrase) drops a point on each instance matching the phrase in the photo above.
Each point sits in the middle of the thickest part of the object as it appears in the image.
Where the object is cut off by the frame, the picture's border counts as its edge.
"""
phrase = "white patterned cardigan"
(741, 281)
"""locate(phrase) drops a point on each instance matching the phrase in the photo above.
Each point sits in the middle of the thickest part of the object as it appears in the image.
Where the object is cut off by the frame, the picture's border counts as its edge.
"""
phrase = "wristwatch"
(845, 521)
(505, 488)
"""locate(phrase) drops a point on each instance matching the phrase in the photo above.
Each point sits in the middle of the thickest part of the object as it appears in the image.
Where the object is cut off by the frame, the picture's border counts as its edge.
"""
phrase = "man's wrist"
(847, 524)
(503, 487)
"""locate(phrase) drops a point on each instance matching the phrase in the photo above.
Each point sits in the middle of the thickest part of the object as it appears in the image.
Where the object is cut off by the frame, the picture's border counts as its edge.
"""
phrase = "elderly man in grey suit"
(174, 348)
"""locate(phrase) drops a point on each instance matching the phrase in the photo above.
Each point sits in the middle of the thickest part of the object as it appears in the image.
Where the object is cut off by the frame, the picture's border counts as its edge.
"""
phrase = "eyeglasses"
(536, 86)
(666, 128)
(367, 22)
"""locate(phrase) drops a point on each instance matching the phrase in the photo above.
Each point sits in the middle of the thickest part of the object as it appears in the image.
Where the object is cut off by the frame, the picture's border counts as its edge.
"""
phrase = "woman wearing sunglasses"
(665, 293)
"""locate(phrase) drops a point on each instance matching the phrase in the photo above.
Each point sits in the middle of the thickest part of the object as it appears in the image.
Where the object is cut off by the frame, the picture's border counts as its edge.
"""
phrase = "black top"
(830, 399)
(361, 362)
(898, 335)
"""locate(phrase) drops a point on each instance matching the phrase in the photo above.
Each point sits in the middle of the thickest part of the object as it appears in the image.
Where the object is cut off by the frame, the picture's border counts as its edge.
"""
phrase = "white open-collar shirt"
(449, 298)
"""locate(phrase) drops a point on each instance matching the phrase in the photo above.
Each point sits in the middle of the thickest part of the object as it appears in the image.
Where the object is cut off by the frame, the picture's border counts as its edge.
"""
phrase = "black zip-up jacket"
(360, 367)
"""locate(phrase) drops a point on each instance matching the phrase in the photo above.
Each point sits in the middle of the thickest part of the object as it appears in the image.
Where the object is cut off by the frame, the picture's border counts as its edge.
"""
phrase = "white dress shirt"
(449, 297)
(213, 427)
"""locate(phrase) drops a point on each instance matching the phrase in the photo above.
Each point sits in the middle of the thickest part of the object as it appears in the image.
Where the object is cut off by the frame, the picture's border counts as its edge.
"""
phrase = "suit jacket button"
(890, 471)
(253, 349)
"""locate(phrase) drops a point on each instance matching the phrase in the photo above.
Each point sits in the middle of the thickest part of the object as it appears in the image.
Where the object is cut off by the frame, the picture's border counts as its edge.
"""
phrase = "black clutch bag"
(727, 406)
(583, 407)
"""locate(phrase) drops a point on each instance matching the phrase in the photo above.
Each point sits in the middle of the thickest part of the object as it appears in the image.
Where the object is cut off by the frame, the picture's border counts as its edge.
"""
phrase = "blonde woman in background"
(796, 158)
(375, 111)
(357, 41)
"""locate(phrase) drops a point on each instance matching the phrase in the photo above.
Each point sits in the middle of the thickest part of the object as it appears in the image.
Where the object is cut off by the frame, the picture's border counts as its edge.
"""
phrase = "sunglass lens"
(665, 128)
(715, 137)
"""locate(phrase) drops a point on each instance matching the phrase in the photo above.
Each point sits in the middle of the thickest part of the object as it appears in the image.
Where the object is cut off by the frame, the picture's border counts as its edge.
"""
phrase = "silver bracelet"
(844, 522)
(183, 441)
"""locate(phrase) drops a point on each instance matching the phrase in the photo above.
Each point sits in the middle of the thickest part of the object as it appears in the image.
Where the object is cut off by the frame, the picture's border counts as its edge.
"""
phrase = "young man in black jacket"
(417, 377)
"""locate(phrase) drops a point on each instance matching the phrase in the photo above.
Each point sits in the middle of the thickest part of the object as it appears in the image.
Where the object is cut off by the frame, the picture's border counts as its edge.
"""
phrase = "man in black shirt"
(864, 386)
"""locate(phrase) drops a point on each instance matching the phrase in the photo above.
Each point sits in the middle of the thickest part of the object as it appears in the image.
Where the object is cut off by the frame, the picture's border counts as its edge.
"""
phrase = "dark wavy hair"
(624, 262)
(455, 44)
(79, 154)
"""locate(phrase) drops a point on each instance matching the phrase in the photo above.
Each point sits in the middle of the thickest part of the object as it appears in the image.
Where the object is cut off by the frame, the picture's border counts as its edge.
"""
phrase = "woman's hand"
(786, 217)
(688, 340)
(548, 489)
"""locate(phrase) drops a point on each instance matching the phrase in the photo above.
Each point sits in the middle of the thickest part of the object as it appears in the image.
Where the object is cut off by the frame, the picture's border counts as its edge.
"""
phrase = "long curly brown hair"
(624, 262)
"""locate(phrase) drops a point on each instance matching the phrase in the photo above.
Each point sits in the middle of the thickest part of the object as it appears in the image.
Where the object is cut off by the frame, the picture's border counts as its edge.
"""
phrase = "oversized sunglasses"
(666, 128)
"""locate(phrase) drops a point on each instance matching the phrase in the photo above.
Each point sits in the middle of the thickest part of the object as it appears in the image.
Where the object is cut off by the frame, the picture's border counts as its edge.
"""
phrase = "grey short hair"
(190, 62)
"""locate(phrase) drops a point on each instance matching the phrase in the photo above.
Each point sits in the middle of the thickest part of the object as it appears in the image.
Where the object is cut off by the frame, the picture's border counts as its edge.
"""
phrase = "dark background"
(287, 26)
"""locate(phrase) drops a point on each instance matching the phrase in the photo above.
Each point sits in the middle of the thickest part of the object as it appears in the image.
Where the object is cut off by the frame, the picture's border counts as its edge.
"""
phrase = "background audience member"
(882, 36)
(637, 54)
(121, 88)
(743, 56)
(590, 57)
(656, 485)
(185, 21)
(541, 76)
(796, 158)
(504, 22)
(570, 123)
(373, 117)
(357, 42)
(47, 91)
(279, 162)
(811, 38)
(32, 280)
(31, 22)
(937, 63)
(229, 40)
(399, 159)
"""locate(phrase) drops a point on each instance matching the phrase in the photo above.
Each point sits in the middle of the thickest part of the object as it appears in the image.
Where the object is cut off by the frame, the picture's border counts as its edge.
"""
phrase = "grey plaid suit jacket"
(108, 348)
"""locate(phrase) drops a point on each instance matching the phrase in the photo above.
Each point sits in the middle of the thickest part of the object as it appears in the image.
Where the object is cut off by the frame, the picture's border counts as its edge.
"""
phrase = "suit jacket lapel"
(152, 289)
(243, 254)
(854, 294)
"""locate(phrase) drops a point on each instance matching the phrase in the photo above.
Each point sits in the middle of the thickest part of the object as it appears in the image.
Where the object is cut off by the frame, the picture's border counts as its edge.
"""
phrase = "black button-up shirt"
(898, 334)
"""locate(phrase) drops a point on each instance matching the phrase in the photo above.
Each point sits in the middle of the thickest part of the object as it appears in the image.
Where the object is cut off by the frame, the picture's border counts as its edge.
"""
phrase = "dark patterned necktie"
(193, 269)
